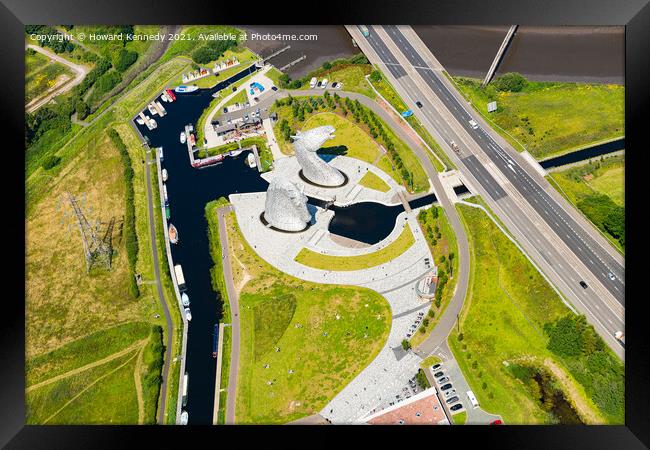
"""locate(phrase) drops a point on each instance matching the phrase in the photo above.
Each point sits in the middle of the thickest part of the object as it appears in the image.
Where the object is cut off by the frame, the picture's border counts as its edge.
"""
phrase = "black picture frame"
(633, 14)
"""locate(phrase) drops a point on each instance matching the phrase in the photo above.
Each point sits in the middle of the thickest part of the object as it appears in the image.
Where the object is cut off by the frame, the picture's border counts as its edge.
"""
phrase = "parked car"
(451, 400)
(438, 374)
(446, 386)
(256, 99)
(450, 392)
(334, 85)
(583, 284)
(443, 380)
(225, 110)
(273, 88)
(611, 276)
(436, 366)
(456, 407)
(419, 105)
(496, 422)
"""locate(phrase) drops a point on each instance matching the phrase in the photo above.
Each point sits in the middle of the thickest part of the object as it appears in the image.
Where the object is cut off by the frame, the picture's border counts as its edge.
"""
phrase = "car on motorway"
(443, 379)
(583, 284)
(611, 276)
(451, 400)
(446, 386)
(418, 104)
(456, 407)
(497, 422)
(454, 146)
(436, 366)
(473, 124)
(438, 374)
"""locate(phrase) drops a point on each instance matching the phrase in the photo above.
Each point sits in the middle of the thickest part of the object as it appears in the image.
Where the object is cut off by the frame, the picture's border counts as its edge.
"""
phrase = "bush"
(422, 380)
(511, 82)
(375, 76)
(123, 59)
(327, 65)
(82, 109)
(406, 345)
(106, 82)
(51, 161)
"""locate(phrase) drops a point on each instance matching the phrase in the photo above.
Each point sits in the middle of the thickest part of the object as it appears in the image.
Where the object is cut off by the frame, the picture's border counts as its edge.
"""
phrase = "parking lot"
(449, 377)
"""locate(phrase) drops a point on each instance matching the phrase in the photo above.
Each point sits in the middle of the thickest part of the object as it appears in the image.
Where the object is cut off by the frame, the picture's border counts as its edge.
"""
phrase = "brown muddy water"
(577, 54)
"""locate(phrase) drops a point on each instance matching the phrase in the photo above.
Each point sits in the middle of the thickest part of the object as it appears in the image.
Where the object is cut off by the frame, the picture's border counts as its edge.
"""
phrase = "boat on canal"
(139, 120)
(183, 137)
(215, 339)
(184, 417)
(173, 234)
(168, 212)
(250, 159)
(164, 174)
(165, 195)
(171, 95)
(184, 89)
(185, 299)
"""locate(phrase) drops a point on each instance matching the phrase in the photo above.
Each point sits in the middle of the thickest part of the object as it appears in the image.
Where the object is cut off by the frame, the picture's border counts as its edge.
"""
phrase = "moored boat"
(168, 212)
(183, 137)
(164, 174)
(184, 89)
(185, 299)
(173, 234)
(171, 95)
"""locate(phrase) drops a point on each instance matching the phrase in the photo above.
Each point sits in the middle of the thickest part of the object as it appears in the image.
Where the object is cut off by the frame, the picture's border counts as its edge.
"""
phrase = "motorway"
(564, 246)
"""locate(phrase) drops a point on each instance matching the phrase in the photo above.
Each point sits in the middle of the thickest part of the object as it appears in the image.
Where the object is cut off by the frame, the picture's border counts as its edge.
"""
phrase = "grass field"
(502, 322)
(459, 418)
(353, 77)
(441, 240)
(372, 181)
(551, 118)
(604, 177)
(41, 74)
(325, 334)
(346, 263)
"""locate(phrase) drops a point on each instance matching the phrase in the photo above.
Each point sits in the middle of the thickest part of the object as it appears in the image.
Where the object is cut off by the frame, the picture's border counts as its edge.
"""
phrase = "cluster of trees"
(590, 362)
(57, 45)
(124, 58)
(212, 50)
(154, 360)
(53, 116)
(605, 214)
(510, 82)
(421, 379)
(445, 262)
(129, 234)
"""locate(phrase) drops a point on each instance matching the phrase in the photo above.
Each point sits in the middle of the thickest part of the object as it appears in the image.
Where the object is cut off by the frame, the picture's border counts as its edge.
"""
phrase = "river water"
(575, 54)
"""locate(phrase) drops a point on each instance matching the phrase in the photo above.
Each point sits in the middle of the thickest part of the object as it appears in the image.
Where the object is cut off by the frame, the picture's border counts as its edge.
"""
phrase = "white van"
(472, 399)
(312, 83)
(473, 124)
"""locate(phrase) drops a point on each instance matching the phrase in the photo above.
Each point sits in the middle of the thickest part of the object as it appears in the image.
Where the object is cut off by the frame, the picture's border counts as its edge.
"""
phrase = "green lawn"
(325, 334)
(429, 361)
(372, 181)
(502, 323)
(600, 182)
(551, 118)
(353, 77)
(347, 263)
(42, 74)
(240, 97)
(460, 418)
(441, 240)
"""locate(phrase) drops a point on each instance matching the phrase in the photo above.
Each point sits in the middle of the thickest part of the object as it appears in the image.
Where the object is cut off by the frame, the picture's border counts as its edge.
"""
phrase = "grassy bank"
(372, 181)
(549, 118)
(597, 189)
(505, 321)
(359, 262)
(441, 240)
(314, 338)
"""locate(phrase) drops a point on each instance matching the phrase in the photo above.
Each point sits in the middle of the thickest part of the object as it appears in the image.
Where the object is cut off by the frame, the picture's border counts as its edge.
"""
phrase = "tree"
(82, 109)
(375, 76)
(51, 161)
(511, 82)
(406, 345)
(123, 59)
(327, 65)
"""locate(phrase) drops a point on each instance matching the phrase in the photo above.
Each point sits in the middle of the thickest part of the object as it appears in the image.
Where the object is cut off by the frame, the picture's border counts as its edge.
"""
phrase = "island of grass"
(358, 134)
(459, 418)
(597, 189)
(266, 156)
(301, 342)
(510, 327)
(441, 240)
(373, 181)
(549, 118)
(346, 263)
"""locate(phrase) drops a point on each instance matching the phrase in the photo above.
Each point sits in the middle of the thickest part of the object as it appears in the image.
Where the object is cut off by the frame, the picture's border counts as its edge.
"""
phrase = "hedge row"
(130, 236)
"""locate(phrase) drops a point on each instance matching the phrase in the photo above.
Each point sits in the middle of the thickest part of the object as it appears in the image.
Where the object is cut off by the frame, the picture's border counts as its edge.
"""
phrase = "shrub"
(375, 76)
(123, 59)
(511, 82)
(422, 380)
(406, 345)
(51, 161)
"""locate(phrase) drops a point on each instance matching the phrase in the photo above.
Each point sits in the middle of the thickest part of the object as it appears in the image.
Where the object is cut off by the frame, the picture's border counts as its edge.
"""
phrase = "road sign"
(492, 106)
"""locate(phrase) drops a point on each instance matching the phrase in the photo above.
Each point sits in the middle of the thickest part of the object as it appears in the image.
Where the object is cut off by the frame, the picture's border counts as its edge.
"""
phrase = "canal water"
(581, 155)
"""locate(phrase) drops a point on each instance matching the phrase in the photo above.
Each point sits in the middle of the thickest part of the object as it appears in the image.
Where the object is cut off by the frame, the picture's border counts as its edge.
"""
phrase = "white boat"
(183, 137)
(250, 159)
(185, 299)
(165, 193)
(164, 174)
(173, 234)
(139, 121)
(184, 418)
(152, 109)
(184, 89)
(188, 314)
(153, 123)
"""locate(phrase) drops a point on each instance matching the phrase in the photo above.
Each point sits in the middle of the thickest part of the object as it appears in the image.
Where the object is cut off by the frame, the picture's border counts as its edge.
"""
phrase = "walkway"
(80, 71)
(233, 298)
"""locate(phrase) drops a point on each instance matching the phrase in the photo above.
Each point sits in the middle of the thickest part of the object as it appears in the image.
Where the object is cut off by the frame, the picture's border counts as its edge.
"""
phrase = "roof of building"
(421, 409)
